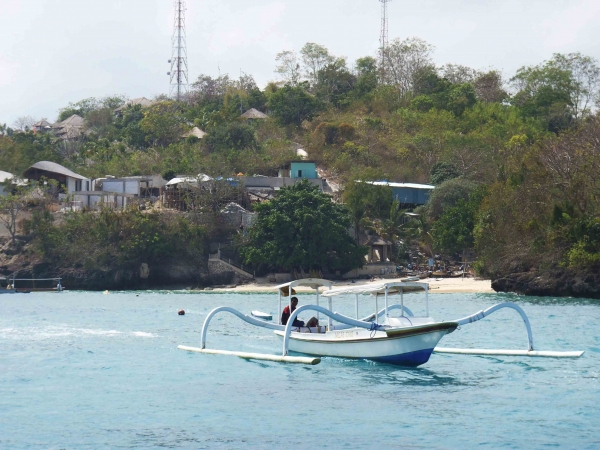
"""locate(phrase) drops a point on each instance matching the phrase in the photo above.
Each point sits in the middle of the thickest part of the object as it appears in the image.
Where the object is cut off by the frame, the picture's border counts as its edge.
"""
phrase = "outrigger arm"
(246, 318)
(481, 314)
(530, 352)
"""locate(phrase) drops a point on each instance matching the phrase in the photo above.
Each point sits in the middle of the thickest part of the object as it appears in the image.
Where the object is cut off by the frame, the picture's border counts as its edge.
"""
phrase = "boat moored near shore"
(393, 334)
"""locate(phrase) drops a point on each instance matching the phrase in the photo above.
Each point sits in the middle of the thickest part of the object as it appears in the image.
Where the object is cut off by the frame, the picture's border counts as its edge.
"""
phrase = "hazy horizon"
(63, 51)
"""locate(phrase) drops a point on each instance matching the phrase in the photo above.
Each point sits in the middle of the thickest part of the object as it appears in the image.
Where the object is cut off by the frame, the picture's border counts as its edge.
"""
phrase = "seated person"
(285, 315)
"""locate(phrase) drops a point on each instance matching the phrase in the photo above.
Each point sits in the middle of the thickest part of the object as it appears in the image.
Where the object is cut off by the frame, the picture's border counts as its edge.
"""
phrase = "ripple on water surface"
(95, 371)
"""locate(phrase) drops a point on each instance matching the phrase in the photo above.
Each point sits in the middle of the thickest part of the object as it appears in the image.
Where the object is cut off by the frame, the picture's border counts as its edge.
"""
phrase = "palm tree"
(420, 230)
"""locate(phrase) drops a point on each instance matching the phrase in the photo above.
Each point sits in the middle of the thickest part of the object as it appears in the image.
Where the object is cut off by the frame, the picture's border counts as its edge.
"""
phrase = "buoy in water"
(181, 312)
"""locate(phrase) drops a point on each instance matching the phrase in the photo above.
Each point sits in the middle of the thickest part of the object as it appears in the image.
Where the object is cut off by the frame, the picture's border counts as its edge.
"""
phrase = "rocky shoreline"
(556, 283)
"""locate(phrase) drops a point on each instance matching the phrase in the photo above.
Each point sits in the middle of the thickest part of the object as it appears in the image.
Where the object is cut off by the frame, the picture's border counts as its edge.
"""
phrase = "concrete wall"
(122, 186)
(72, 185)
(276, 182)
(370, 270)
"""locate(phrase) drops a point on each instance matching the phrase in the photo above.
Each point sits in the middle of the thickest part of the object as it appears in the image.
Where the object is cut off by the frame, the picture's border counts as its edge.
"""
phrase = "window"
(299, 174)
(77, 185)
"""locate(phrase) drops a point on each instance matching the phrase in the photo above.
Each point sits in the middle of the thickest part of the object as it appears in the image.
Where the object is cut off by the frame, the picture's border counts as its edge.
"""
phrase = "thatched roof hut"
(254, 114)
(196, 132)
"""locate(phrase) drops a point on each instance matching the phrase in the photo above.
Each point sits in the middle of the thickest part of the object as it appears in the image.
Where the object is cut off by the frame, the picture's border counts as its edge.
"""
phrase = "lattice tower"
(383, 38)
(179, 65)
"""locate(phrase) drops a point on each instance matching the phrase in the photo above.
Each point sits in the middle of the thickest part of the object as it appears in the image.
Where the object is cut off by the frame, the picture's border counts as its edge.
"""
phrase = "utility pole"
(383, 39)
(179, 67)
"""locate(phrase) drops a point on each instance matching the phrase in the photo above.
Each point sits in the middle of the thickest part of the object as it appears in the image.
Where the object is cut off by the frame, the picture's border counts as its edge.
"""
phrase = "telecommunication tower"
(383, 37)
(179, 67)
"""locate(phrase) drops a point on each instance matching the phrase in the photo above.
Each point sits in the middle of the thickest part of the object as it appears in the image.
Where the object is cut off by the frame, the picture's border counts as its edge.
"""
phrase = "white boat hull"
(410, 346)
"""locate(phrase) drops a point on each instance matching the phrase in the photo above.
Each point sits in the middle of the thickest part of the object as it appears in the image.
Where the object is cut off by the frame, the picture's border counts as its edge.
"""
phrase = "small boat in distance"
(28, 285)
(403, 339)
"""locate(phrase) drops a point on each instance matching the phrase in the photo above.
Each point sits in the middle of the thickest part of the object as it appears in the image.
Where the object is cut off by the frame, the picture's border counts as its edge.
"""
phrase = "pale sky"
(53, 52)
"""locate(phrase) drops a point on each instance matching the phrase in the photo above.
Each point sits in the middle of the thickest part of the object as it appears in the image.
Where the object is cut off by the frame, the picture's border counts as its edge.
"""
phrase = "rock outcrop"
(554, 283)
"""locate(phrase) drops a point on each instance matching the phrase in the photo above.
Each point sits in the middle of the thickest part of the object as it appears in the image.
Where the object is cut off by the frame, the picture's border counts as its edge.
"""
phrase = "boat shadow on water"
(374, 373)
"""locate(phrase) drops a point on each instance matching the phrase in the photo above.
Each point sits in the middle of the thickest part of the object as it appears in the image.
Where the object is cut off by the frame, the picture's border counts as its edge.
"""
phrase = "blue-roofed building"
(408, 193)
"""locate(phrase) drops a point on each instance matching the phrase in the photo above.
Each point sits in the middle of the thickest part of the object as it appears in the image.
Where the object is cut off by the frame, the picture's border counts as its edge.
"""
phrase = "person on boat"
(285, 315)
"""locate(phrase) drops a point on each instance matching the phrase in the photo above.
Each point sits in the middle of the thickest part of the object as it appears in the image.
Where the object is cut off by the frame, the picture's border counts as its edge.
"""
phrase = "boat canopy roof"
(394, 287)
(314, 283)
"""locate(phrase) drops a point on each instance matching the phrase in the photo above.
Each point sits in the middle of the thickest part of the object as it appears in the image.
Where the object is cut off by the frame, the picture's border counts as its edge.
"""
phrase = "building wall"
(122, 186)
(72, 185)
(411, 195)
(273, 182)
(303, 170)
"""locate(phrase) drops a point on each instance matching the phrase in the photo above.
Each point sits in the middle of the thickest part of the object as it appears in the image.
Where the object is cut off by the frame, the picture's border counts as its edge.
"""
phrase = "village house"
(42, 126)
(4, 177)
(70, 128)
(69, 182)
(409, 195)
(263, 188)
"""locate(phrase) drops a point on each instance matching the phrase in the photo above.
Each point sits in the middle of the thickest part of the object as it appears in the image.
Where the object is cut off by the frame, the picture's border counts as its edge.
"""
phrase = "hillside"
(515, 161)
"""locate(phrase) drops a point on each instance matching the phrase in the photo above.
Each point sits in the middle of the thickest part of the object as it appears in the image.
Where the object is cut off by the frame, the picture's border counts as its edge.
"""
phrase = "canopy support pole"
(402, 301)
(356, 307)
(330, 305)
(318, 317)
(387, 313)
(279, 310)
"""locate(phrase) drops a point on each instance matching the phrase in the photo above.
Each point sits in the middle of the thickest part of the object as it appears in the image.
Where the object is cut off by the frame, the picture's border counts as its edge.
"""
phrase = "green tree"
(288, 67)
(162, 123)
(366, 76)
(453, 231)
(335, 83)
(291, 105)
(315, 58)
(441, 172)
(302, 229)
(558, 91)
(419, 230)
(366, 203)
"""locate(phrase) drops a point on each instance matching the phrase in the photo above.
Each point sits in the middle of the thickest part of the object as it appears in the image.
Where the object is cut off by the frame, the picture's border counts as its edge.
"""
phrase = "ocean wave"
(63, 331)
(143, 334)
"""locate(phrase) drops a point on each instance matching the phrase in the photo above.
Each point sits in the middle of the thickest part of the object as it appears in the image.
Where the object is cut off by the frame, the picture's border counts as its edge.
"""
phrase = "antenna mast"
(383, 38)
(179, 67)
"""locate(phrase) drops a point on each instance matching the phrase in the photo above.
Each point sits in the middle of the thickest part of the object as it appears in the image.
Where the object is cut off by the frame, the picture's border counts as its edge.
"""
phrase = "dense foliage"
(516, 162)
(113, 240)
(302, 229)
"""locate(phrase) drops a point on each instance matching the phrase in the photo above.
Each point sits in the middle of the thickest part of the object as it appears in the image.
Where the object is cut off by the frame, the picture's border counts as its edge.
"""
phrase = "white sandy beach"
(436, 286)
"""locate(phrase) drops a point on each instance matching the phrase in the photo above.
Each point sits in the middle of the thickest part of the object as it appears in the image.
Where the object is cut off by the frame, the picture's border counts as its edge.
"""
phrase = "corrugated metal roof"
(5, 176)
(49, 166)
(402, 185)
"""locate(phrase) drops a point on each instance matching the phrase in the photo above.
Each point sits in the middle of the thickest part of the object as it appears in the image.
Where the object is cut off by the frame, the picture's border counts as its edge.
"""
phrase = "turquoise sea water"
(86, 370)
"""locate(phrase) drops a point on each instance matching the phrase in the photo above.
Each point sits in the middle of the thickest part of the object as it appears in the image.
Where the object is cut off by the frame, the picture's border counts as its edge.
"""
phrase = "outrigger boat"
(407, 339)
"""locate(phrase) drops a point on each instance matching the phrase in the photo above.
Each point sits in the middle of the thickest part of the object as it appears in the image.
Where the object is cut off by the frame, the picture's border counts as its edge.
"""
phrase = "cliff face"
(20, 260)
(554, 283)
